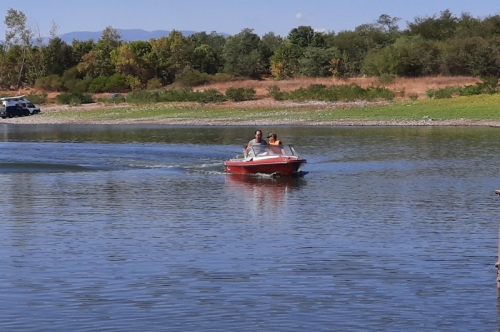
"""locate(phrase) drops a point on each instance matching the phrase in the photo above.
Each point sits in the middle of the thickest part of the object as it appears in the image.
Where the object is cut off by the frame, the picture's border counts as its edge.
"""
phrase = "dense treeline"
(443, 44)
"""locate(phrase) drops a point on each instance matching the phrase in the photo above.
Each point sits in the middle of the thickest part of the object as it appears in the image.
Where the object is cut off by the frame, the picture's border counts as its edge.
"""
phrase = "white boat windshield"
(271, 150)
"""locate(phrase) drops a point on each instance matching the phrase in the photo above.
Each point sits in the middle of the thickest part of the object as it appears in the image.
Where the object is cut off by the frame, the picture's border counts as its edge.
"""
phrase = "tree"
(491, 26)
(130, 59)
(178, 50)
(317, 61)
(470, 56)
(159, 60)
(305, 36)
(243, 55)
(39, 60)
(17, 34)
(169, 56)
(205, 52)
(408, 56)
(214, 40)
(285, 61)
(97, 62)
(387, 23)
(204, 59)
(434, 28)
(57, 57)
(379, 61)
(79, 49)
(468, 26)
(110, 37)
(272, 41)
(10, 66)
(302, 36)
(353, 47)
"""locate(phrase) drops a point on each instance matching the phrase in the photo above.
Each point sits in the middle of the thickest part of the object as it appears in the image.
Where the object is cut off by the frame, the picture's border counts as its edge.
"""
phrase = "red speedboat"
(267, 159)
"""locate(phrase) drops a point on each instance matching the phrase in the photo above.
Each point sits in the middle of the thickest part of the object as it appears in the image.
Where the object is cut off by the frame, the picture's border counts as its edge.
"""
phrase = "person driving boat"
(256, 141)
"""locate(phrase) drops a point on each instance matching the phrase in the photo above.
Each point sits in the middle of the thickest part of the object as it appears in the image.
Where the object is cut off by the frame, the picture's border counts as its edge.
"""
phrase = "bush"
(346, 92)
(143, 97)
(442, 94)
(97, 85)
(315, 91)
(274, 91)
(471, 90)
(430, 93)
(76, 86)
(175, 95)
(413, 96)
(240, 94)
(178, 95)
(192, 78)
(373, 93)
(490, 84)
(74, 98)
(386, 78)
(447, 92)
(49, 83)
(350, 92)
(220, 78)
(37, 98)
(210, 96)
(116, 83)
(154, 83)
(72, 74)
(133, 82)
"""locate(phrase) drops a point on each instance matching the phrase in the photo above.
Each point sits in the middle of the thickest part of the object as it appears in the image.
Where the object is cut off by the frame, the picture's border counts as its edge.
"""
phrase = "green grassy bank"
(474, 108)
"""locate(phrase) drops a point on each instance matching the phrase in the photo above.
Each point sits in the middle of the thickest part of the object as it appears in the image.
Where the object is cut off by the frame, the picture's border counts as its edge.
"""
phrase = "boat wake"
(41, 168)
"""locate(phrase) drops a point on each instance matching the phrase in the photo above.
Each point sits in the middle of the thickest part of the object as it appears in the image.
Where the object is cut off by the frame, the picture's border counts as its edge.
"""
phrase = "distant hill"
(126, 34)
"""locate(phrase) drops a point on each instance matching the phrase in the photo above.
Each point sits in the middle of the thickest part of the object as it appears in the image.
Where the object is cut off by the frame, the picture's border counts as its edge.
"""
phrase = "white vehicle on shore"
(17, 106)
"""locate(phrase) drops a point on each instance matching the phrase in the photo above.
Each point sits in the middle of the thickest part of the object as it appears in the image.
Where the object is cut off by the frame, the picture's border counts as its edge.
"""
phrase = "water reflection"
(262, 194)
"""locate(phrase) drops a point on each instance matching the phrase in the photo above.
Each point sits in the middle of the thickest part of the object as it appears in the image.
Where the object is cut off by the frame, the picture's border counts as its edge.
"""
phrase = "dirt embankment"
(402, 87)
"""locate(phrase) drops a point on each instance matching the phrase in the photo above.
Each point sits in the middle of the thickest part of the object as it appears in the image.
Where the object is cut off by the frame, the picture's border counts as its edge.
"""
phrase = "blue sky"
(229, 16)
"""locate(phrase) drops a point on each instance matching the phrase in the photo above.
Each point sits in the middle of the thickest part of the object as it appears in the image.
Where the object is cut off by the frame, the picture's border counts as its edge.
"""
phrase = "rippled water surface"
(137, 228)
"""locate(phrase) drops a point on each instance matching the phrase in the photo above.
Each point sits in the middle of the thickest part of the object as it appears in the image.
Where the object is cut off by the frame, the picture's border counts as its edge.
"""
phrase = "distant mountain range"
(126, 35)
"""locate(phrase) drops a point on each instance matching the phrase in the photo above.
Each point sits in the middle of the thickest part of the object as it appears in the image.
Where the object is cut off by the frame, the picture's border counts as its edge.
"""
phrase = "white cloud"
(298, 16)
(320, 30)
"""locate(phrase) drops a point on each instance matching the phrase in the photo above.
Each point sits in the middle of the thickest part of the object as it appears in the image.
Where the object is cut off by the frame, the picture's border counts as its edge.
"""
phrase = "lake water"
(137, 228)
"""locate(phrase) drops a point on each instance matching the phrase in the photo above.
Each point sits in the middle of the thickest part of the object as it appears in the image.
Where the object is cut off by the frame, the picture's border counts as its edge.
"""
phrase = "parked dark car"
(12, 111)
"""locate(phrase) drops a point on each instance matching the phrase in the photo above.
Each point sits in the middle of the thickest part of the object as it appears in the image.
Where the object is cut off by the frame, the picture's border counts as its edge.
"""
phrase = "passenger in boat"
(256, 141)
(275, 142)
(273, 139)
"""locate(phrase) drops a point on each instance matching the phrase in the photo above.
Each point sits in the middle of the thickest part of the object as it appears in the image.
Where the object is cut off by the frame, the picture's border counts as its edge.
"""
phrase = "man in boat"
(256, 141)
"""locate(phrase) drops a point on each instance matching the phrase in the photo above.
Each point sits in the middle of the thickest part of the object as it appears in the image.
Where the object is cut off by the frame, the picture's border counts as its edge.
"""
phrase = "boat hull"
(287, 166)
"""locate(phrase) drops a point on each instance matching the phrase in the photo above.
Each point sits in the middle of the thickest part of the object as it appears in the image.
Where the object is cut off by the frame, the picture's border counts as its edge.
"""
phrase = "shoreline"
(49, 116)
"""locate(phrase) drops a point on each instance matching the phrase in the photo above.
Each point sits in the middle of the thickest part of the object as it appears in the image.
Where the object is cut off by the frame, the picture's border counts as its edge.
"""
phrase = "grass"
(481, 107)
